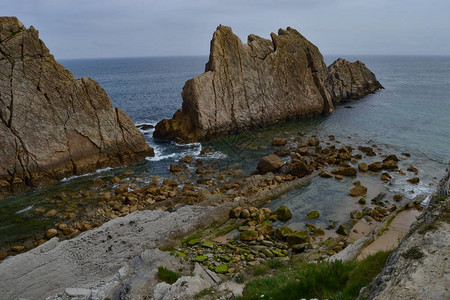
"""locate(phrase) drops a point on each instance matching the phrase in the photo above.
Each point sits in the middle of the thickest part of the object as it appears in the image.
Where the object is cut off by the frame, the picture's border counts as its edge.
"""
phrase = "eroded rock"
(53, 125)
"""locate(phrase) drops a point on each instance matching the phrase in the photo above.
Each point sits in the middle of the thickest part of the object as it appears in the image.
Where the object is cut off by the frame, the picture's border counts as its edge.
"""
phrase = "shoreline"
(269, 187)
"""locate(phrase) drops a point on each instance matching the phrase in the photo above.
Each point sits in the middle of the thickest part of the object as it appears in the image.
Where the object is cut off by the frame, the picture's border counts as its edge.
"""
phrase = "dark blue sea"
(412, 114)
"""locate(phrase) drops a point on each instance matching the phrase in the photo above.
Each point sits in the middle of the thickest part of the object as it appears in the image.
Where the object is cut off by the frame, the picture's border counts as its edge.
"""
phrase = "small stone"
(245, 213)
(339, 177)
(200, 258)
(235, 212)
(312, 215)
(362, 201)
(18, 248)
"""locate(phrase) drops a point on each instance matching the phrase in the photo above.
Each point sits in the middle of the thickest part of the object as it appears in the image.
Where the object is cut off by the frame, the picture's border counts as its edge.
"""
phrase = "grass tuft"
(332, 280)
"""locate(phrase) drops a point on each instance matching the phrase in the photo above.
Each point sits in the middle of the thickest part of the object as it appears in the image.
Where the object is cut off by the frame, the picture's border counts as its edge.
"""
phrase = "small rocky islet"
(243, 87)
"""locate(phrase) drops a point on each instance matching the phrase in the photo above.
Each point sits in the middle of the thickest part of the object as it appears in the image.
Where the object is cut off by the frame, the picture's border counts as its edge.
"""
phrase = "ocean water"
(412, 114)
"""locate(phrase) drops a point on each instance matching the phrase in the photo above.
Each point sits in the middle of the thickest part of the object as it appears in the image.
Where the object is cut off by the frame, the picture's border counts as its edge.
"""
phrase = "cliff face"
(260, 83)
(419, 269)
(51, 124)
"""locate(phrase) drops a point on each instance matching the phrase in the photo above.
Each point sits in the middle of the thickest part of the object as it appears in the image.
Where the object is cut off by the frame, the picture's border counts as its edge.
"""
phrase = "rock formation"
(51, 124)
(261, 83)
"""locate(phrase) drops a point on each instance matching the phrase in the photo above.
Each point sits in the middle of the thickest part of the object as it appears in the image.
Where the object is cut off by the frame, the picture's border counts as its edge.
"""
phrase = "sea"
(410, 115)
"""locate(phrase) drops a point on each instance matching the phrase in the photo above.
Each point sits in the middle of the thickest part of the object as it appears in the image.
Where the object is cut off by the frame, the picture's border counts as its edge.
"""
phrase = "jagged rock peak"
(53, 125)
(257, 84)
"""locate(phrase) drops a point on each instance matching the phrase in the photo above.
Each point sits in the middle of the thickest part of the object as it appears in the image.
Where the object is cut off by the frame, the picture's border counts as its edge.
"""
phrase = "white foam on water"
(24, 210)
(85, 175)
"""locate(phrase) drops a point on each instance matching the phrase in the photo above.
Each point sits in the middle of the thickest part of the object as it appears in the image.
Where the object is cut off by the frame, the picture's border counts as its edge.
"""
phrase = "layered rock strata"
(261, 83)
(51, 124)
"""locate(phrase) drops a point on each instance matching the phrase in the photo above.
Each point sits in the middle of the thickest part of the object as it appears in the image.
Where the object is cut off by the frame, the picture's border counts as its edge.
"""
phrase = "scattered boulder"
(325, 174)
(363, 167)
(283, 213)
(300, 169)
(279, 142)
(50, 233)
(413, 169)
(297, 237)
(282, 232)
(346, 228)
(314, 214)
(358, 191)
(249, 235)
(345, 171)
(186, 159)
(414, 180)
(270, 163)
(375, 167)
(389, 164)
(50, 213)
(177, 168)
(356, 214)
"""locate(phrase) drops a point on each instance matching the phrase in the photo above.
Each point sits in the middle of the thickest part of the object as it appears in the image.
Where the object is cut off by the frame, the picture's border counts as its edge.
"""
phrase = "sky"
(133, 28)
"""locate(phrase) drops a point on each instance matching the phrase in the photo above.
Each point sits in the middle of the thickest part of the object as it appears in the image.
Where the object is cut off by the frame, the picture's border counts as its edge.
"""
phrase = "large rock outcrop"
(261, 83)
(51, 124)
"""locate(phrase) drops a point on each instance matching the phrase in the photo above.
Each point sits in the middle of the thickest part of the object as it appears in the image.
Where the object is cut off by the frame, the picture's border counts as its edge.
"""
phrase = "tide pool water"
(412, 114)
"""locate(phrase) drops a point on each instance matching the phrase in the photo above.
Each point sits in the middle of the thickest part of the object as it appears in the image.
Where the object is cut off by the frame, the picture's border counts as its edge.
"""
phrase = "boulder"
(283, 213)
(363, 167)
(346, 228)
(325, 174)
(245, 85)
(358, 191)
(270, 163)
(249, 235)
(414, 180)
(279, 142)
(300, 169)
(53, 125)
(282, 232)
(297, 237)
(314, 214)
(389, 164)
(375, 167)
(345, 171)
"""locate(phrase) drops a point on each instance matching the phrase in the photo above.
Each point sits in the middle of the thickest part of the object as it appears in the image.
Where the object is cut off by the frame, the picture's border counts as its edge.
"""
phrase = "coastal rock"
(346, 80)
(247, 85)
(53, 125)
(270, 163)
(358, 191)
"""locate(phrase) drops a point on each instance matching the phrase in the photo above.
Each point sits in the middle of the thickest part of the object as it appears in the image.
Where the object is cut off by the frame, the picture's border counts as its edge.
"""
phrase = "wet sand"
(391, 238)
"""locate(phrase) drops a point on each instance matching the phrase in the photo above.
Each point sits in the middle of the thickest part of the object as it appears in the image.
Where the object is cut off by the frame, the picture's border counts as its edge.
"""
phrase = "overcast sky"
(126, 28)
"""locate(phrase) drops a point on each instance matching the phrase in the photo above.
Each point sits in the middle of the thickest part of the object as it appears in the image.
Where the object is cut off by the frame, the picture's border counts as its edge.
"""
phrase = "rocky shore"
(52, 125)
(261, 83)
(243, 234)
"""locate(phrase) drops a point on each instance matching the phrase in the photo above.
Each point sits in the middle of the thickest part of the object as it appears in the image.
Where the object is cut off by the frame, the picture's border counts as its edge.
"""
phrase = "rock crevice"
(261, 83)
(53, 125)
